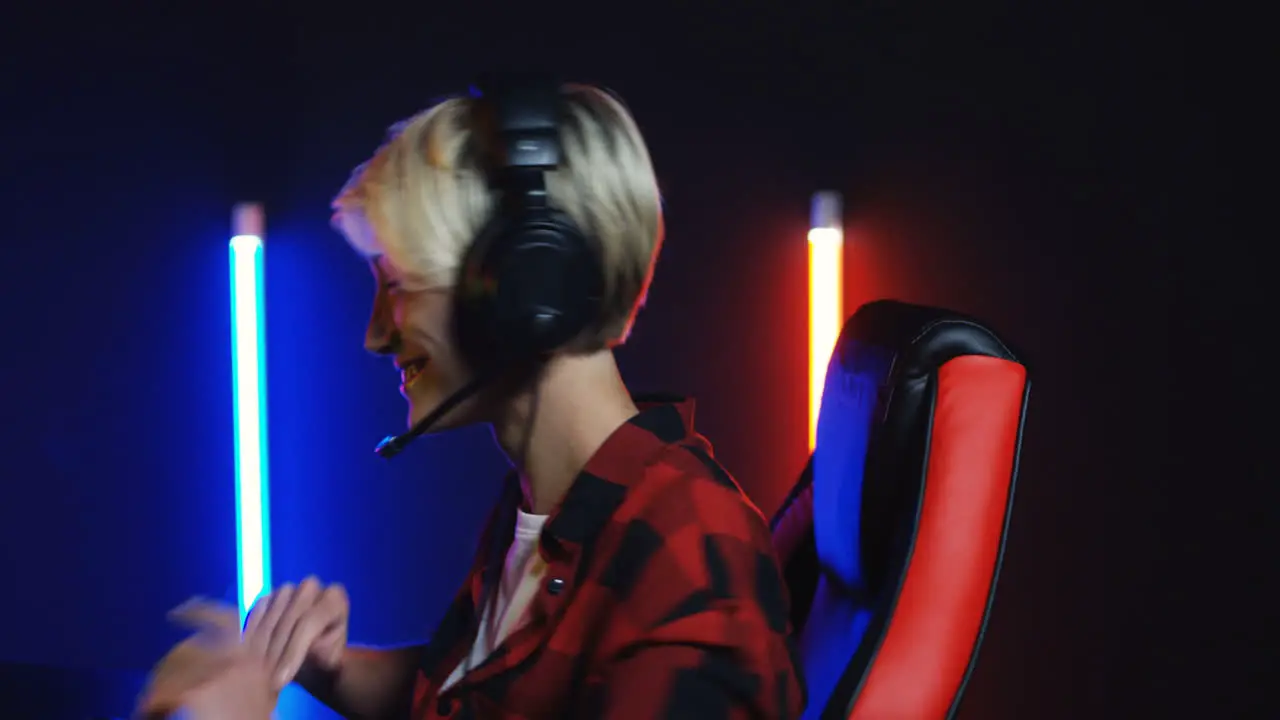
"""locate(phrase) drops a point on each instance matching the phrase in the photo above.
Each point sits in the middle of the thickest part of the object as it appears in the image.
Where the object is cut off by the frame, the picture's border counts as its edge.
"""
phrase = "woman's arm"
(369, 682)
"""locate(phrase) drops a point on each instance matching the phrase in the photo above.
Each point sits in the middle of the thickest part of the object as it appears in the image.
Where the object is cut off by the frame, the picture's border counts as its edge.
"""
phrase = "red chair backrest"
(891, 541)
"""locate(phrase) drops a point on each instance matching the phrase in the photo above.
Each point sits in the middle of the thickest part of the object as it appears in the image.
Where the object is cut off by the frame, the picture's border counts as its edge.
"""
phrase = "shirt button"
(555, 585)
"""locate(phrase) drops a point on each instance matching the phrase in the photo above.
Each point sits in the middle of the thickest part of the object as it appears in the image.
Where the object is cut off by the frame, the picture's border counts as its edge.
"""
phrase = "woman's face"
(413, 328)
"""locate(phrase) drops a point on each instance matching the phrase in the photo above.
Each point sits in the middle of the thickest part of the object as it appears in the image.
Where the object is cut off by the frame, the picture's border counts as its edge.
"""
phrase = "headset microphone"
(392, 445)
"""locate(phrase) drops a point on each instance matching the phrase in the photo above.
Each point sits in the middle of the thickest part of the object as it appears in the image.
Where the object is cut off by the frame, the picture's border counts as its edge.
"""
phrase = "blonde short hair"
(423, 196)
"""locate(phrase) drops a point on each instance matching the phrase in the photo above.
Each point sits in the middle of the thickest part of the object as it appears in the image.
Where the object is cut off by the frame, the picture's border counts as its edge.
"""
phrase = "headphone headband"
(520, 115)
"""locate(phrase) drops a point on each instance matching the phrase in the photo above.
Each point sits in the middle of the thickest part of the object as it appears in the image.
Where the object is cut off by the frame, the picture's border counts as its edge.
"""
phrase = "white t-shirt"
(522, 575)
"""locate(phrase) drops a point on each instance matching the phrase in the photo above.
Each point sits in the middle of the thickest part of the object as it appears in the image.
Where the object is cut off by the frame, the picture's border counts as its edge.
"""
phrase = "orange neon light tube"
(826, 296)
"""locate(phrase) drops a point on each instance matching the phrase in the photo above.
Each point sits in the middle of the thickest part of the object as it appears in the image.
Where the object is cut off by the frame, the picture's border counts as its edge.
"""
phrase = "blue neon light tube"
(253, 538)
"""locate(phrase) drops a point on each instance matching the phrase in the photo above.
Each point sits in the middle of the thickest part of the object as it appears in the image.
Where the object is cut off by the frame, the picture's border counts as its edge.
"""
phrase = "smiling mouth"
(411, 372)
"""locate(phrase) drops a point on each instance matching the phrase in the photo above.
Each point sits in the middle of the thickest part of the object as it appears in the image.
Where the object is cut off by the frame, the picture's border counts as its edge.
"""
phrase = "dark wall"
(1042, 170)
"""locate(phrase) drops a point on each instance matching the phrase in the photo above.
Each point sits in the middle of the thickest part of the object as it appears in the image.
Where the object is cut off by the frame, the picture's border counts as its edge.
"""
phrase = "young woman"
(626, 575)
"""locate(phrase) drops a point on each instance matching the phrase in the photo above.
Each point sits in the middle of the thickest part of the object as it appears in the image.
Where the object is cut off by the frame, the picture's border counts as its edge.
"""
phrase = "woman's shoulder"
(686, 492)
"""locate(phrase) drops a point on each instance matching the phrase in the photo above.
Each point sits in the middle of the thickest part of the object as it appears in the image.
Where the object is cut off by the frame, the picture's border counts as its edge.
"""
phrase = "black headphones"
(531, 280)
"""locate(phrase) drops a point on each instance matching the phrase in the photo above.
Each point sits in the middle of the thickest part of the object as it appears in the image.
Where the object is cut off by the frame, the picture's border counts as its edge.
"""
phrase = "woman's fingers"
(204, 614)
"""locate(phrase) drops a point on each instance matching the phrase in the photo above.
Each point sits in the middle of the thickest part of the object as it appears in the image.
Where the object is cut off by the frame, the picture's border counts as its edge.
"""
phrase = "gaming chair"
(892, 538)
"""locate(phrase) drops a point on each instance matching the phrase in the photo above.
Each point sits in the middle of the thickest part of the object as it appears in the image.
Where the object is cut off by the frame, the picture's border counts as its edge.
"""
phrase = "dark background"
(1061, 173)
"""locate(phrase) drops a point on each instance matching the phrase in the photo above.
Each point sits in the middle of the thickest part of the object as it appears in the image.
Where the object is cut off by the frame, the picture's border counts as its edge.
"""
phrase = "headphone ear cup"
(526, 289)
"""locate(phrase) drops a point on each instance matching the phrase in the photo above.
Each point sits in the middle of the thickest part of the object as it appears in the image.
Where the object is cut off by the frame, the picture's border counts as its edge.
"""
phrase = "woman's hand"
(297, 628)
(212, 675)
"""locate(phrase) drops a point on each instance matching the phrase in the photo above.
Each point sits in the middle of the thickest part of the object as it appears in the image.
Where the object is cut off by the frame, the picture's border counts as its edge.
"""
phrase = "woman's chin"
(421, 407)
(462, 415)
(417, 411)
(420, 403)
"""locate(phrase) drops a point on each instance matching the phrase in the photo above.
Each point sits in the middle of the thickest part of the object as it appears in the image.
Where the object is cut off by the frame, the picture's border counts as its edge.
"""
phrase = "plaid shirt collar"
(616, 466)
(600, 488)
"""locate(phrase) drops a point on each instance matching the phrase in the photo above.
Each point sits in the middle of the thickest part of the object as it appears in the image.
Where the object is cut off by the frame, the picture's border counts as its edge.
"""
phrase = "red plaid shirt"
(663, 599)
